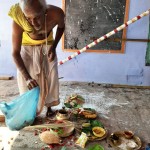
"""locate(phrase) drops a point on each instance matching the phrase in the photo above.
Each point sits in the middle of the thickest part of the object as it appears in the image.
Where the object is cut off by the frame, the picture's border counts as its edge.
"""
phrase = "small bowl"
(62, 115)
(128, 134)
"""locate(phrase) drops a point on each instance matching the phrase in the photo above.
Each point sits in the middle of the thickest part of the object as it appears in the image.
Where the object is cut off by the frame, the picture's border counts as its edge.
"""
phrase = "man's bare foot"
(49, 112)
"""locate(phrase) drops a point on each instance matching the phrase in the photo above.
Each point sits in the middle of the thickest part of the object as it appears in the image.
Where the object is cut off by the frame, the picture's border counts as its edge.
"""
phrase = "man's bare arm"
(16, 41)
(59, 32)
(61, 26)
(17, 32)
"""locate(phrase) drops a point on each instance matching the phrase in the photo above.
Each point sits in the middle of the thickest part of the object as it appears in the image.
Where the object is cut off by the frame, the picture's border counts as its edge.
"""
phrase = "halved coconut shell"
(98, 131)
(49, 137)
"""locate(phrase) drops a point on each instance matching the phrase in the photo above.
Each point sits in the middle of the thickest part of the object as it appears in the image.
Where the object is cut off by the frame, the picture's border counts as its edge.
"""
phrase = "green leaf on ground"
(67, 105)
(96, 123)
(63, 148)
(96, 147)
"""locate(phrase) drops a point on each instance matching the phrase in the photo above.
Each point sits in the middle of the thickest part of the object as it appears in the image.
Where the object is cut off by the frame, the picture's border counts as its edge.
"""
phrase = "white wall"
(128, 68)
(6, 65)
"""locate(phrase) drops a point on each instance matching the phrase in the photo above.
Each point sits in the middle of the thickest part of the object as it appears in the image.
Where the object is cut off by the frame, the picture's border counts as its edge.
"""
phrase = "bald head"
(30, 3)
(34, 11)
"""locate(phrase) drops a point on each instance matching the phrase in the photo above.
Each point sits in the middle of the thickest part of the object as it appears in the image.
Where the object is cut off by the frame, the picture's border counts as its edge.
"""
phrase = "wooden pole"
(6, 77)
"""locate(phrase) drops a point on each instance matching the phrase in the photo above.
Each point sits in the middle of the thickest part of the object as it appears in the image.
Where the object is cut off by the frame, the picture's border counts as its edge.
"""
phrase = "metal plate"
(93, 137)
(122, 139)
(68, 130)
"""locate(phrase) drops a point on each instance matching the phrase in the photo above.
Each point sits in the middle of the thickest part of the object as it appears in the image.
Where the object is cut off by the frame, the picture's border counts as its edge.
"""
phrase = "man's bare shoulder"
(55, 10)
(56, 15)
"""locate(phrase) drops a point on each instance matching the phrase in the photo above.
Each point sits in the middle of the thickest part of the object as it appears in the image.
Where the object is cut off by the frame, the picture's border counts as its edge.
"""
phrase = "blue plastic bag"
(21, 111)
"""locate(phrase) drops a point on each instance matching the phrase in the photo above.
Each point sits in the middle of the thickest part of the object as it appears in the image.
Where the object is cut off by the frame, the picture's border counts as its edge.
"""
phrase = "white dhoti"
(43, 71)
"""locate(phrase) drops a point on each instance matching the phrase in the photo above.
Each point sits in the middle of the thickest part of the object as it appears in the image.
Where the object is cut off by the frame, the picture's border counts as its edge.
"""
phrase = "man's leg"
(53, 93)
(49, 112)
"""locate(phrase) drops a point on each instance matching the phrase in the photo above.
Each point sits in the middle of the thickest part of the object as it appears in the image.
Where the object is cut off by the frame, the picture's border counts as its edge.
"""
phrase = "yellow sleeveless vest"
(17, 15)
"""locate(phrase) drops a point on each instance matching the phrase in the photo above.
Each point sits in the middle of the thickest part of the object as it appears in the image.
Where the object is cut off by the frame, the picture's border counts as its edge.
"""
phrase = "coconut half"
(49, 137)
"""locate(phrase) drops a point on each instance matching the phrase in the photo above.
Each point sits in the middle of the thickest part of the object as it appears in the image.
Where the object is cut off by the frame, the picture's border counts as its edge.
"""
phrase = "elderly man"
(34, 49)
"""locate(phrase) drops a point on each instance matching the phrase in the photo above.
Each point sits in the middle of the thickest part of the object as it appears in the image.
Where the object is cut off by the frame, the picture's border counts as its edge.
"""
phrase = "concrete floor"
(118, 108)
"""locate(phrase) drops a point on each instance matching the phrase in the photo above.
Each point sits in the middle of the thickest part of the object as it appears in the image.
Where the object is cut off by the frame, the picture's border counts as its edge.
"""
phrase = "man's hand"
(51, 53)
(31, 83)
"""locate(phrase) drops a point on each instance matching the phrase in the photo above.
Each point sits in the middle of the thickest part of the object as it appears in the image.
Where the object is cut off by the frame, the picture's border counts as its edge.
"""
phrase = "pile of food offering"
(57, 132)
(91, 129)
(87, 126)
